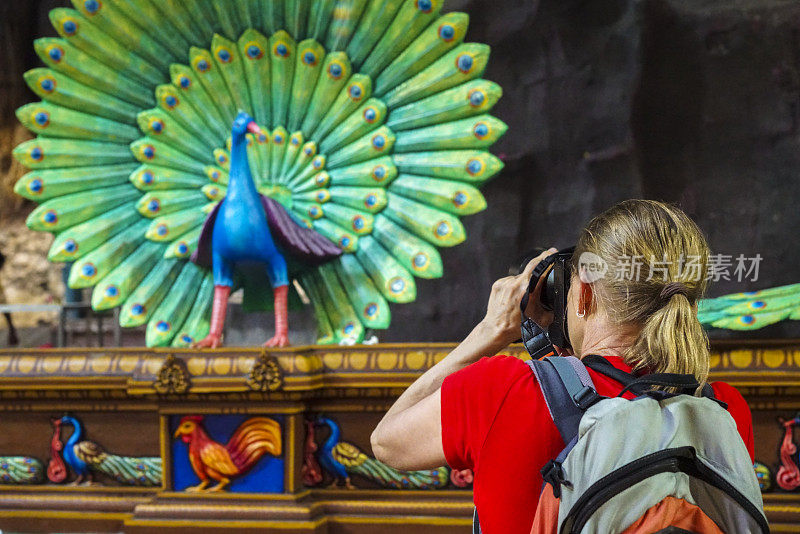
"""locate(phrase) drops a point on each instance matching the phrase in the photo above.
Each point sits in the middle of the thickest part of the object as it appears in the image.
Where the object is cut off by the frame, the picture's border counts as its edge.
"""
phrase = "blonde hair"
(649, 245)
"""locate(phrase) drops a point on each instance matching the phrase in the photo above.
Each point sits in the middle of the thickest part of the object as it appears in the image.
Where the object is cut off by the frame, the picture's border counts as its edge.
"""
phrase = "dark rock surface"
(689, 101)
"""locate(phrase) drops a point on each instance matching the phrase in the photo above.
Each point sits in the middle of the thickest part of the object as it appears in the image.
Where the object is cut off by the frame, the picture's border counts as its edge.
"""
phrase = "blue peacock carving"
(370, 134)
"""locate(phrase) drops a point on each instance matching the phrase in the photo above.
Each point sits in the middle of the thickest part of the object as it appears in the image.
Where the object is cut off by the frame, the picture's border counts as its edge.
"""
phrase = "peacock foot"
(211, 341)
(280, 339)
(200, 487)
(348, 485)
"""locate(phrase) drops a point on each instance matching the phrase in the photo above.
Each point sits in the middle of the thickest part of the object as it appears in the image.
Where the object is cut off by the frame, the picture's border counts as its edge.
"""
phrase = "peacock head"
(244, 123)
(187, 427)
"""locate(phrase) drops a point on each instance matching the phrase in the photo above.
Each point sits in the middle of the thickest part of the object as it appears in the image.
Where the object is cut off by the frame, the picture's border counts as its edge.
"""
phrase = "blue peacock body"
(86, 457)
(372, 131)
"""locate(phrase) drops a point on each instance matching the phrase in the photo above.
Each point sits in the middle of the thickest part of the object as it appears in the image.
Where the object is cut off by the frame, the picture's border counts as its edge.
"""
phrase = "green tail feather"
(21, 470)
(130, 470)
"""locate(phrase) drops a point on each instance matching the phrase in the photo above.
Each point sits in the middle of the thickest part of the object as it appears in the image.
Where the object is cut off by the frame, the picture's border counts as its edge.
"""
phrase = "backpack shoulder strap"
(568, 391)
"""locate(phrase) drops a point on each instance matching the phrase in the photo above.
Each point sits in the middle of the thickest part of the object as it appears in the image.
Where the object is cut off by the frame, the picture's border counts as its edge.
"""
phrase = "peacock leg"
(334, 484)
(221, 486)
(77, 481)
(281, 337)
(200, 487)
(348, 485)
(214, 337)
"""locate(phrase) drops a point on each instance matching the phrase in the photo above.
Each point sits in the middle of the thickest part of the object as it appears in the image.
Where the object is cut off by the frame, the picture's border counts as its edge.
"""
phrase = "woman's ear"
(585, 299)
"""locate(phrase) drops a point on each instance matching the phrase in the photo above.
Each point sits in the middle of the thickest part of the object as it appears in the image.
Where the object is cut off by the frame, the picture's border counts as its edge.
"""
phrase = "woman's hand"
(502, 320)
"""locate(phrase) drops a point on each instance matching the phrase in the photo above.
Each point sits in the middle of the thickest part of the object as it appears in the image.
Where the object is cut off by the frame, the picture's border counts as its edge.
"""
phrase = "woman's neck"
(601, 336)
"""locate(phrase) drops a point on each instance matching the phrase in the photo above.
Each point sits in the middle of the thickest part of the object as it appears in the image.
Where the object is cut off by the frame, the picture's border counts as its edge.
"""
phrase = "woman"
(489, 415)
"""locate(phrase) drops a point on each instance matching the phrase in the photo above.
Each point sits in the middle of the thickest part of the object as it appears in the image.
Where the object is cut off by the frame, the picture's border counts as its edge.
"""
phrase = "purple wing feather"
(303, 244)
(202, 254)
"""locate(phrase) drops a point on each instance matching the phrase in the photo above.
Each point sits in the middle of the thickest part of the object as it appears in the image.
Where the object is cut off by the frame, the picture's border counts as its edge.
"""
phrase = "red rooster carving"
(211, 460)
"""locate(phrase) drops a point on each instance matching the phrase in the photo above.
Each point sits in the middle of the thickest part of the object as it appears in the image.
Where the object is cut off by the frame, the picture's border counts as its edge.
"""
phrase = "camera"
(556, 270)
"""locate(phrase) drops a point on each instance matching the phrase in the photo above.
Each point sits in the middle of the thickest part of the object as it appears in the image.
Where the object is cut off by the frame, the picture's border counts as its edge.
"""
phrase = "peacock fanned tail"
(127, 470)
(377, 131)
(356, 462)
(21, 470)
(751, 310)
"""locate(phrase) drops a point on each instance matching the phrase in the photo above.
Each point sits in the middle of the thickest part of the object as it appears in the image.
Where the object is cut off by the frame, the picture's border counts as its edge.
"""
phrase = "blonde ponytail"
(660, 297)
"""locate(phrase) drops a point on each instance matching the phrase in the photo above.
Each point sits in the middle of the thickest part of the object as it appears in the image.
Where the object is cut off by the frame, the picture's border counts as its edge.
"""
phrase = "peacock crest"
(375, 134)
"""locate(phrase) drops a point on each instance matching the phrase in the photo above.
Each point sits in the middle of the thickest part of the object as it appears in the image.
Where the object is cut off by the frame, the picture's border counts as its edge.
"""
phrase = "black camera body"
(557, 272)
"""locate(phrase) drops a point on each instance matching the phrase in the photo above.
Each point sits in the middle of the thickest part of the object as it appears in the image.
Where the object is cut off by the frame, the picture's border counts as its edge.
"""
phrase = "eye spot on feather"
(758, 304)
(88, 270)
(335, 70)
(356, 92)
(379, 173)
(371, 310)
(476, 98)
(314, 212)
(137, 310)
(70, 27)
(154, 206)
(156, 126)
(397, 285)
(163, 326)
(42, 118)
(36, 186)
(47, 84)
(50, 217)
(295, 141)
(464, 63)
(162, 230)
(149, 152)
(37, 154)
(474, 167)
(318, 162)
(222, 159)
(254, 51)
(202, 65)
(184, 81)
(348, 328)
(371, 200)
(187, 339)
(358, 222)
(344, 242)
(426, 6)
(92, 6)
(447, 32)
(224, 55)
(70, 246)
(112, 291)
(310, 59)
(277, 139)
(55, 53)
(370, 114)
(443, 229)
(459, 199)
(214, 175)
(262, 138)
(379, 142)
(170, 101)
(747, 319)
(421, 260)
(281, 50)
(182, 248)
(309, 150)
(481, 130)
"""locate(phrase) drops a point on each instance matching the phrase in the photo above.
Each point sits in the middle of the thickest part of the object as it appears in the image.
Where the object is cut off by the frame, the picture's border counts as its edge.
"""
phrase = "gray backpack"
(663, 462)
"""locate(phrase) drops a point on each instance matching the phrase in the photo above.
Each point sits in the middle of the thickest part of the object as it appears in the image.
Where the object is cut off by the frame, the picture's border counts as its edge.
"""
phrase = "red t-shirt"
(495, 422)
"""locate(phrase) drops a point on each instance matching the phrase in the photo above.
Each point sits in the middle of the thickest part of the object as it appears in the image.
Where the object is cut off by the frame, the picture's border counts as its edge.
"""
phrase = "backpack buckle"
(553, 474)
(586, 398)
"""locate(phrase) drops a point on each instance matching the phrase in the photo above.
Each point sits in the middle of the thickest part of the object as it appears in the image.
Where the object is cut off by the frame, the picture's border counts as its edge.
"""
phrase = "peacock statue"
(751, 310)
(87, 458)
(341, 460)
(369, 139)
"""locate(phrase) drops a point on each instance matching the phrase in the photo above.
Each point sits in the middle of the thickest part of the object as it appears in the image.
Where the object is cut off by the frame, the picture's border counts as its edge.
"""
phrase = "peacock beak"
(177, 433)
(254, 129)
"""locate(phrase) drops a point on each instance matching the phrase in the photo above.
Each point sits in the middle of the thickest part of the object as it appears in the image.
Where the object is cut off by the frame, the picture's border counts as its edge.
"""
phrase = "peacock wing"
(376, 130)
(751, 310)
(356, 462)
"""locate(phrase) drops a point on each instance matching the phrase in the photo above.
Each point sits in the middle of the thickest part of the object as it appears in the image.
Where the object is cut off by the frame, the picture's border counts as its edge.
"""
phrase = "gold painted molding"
(354, 371)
